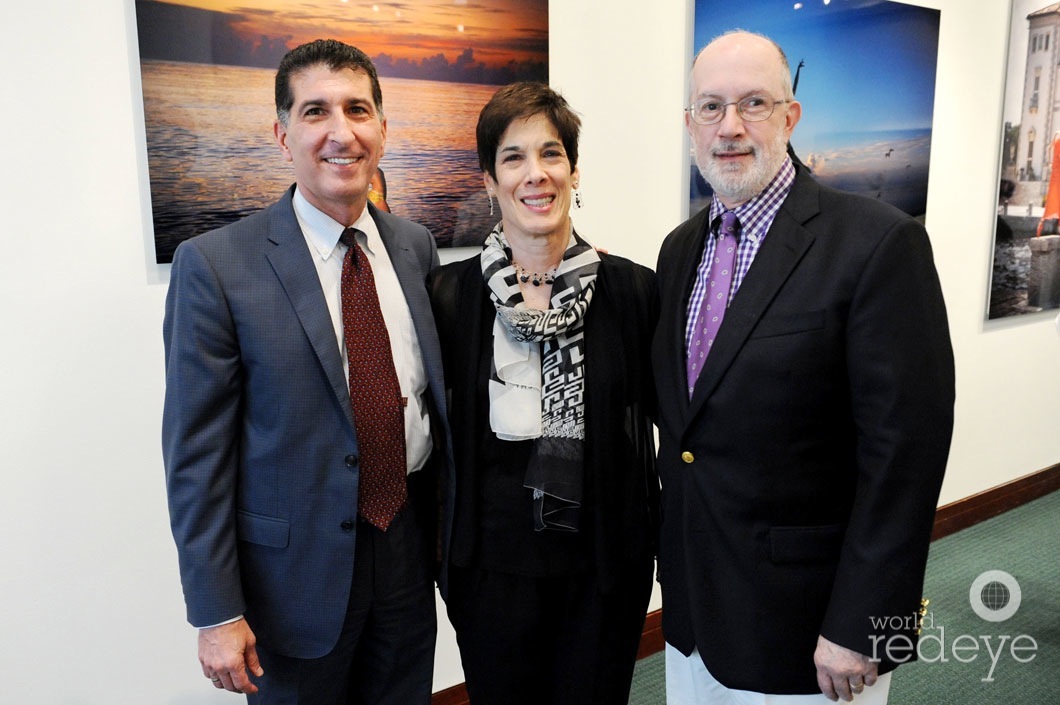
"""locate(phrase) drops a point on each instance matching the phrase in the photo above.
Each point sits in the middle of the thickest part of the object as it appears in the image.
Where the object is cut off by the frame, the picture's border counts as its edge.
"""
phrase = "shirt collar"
(760, 210)
(323, 232)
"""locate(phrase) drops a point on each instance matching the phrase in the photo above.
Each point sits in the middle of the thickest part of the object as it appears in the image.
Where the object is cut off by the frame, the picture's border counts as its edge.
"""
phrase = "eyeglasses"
(753, 108)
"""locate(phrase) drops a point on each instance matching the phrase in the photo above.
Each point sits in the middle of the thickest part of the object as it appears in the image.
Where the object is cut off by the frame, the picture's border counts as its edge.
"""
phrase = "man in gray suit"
(300, 594)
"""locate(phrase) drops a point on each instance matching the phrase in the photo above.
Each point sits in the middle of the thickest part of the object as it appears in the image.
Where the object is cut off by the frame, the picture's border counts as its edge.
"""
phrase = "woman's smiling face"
(534, 179)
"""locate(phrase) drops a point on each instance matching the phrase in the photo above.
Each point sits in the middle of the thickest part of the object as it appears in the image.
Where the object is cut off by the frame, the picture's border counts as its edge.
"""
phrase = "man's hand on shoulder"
(226, 653)
(842, 673)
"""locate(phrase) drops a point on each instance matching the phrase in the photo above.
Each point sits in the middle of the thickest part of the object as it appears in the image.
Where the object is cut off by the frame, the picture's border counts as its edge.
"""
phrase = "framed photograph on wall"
(207, 69)
(1026, 249)
(865, 75)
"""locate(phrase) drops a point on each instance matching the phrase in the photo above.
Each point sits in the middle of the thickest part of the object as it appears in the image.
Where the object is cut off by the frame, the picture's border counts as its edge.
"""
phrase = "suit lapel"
(293, 265)
(785, 245)
(411, 274)
(686, 256)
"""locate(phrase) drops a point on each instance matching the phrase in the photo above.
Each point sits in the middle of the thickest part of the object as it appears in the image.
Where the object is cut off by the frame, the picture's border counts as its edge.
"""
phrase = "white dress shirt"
(322, 236)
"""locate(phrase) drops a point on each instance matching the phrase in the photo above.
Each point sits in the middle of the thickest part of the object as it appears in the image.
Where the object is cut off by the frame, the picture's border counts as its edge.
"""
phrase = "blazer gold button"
(688, 457)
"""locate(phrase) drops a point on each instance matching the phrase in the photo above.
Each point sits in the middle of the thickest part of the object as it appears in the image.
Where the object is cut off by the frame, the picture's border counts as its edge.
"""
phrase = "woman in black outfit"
(550, 536)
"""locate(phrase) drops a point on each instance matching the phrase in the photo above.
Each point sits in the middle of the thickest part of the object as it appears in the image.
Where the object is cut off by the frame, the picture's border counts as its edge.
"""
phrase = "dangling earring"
(489, 194)
(577, 197)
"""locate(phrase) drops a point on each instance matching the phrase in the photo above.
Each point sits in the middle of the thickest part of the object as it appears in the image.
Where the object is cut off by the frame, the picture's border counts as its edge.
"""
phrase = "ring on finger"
(215, 679)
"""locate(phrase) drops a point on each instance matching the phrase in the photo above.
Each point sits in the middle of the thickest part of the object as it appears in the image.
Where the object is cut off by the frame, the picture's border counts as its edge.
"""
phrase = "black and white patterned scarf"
(537, 378)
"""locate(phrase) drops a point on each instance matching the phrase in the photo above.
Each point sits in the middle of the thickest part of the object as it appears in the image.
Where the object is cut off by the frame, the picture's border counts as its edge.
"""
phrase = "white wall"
(90, 605)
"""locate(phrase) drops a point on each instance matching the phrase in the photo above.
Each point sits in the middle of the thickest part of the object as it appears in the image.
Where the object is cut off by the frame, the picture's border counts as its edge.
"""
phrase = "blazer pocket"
(262, 530)
(805, 544)
(787, 324)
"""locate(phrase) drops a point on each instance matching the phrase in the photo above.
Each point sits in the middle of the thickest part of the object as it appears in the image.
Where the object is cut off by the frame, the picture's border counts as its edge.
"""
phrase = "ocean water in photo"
(212, 158)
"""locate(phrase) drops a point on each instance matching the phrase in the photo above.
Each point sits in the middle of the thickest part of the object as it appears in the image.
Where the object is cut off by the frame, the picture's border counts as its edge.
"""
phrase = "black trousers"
(385, 654)
(557, 640)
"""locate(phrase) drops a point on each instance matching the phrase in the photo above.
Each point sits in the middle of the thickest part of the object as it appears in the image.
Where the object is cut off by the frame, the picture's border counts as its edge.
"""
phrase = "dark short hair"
(328, 52)
(520, 101)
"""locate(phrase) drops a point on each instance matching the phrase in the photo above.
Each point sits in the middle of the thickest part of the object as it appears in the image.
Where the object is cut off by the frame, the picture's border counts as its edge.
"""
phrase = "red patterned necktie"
(715, 299)
(378, 410)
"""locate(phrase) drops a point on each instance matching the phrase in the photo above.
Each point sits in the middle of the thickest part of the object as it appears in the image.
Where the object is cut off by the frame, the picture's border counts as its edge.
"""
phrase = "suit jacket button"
(688, 457)
(351, 460)
(347, 525)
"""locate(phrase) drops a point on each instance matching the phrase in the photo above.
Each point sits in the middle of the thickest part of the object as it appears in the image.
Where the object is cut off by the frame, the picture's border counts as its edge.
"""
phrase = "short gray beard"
(740, 186)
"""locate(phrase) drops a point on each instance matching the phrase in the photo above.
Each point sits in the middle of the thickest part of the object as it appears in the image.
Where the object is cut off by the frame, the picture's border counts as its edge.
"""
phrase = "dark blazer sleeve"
(900, 367)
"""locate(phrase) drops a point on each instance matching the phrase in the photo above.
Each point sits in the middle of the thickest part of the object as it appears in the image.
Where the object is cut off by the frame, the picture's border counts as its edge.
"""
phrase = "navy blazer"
(799, 483)
(258, 436)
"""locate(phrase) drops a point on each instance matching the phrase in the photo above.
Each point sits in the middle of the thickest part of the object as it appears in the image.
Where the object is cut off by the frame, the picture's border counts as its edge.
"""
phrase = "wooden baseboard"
(457, 695)
(949, 519)
(651, 641)
(987, 504)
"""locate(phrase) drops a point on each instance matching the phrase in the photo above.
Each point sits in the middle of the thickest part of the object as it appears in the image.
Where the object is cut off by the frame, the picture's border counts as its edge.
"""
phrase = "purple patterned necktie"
(715, 299)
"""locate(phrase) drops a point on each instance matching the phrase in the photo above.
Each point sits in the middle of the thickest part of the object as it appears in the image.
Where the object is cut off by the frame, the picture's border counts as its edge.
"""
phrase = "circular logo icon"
(995, 595)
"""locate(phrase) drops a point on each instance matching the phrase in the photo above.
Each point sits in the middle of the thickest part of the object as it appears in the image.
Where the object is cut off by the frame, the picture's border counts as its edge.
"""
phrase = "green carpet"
(649, 681)
(967, 660)
(1025, 543)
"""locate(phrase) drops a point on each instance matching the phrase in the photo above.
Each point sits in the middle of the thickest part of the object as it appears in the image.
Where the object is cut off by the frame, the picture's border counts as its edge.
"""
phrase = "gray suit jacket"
(258, 436)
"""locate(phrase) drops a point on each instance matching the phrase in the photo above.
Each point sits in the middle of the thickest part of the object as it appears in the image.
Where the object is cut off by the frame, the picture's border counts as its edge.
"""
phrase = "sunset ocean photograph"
(207, 72)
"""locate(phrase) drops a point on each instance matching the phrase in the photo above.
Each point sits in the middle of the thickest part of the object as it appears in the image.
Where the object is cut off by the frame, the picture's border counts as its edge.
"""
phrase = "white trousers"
(688, 682)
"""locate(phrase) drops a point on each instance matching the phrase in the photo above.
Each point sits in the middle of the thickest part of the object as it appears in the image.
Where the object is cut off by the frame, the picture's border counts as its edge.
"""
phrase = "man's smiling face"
(335, 137)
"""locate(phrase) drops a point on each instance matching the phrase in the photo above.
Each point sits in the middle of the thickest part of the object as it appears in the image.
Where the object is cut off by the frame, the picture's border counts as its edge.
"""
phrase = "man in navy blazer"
(801, 462)
(298, 600)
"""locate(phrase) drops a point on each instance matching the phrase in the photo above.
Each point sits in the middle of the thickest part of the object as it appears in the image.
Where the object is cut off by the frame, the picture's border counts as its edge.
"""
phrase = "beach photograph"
(207, 73)
(865, 75)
